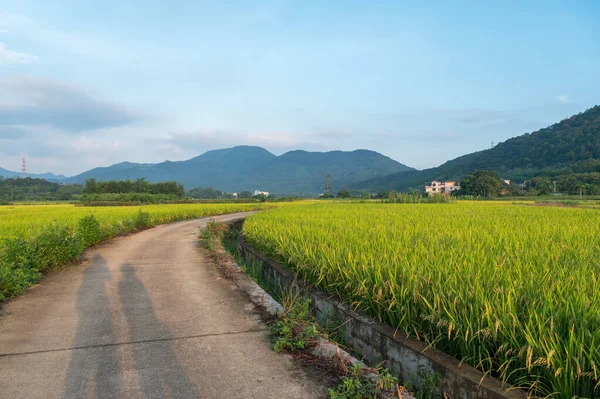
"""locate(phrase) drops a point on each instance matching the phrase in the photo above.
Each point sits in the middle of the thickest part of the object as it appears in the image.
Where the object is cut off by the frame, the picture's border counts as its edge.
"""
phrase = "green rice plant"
(512, 290)
(415, 197)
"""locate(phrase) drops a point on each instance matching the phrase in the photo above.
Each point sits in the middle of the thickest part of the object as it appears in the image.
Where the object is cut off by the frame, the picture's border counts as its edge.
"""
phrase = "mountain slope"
(570, 146)
(250, 168)
(46, 176)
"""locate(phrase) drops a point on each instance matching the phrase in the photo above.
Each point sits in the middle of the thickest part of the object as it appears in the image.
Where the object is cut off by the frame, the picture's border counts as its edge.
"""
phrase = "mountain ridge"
(51, 177)
(569, 146)
(250, 168)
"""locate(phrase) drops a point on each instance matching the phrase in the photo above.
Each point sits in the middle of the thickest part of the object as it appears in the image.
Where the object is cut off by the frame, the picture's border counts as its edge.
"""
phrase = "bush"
(142, 220)
(56, 246)
(15, 280)
(127, 225)
(17, 251)
(88, 231)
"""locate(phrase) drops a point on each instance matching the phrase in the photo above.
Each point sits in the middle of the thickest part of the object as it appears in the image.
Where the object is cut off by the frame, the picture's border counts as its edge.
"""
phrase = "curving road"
(146, 316)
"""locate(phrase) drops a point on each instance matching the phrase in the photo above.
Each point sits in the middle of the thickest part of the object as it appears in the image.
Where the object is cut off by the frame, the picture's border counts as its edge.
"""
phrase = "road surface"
(145, 316)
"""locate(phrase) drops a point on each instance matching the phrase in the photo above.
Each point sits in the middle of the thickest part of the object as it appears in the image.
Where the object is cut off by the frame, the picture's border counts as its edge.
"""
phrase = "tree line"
(30, 189)
(138, 186)
(485, 183)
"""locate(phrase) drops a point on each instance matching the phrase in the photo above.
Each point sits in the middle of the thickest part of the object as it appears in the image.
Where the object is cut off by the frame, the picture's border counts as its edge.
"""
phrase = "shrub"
(142, 220)
(127, 225)
(17, 251)
(88, 231)
(15, 280)
(56, 246)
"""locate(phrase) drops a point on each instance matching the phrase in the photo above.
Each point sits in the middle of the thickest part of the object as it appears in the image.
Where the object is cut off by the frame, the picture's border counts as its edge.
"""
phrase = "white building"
(258, 192)
(438, 187)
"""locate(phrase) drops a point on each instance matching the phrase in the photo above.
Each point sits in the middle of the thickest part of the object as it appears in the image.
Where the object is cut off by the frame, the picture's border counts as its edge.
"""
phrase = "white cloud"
(14, 57)
(564, 98)
(34, 101)
(85, 144)
(3, 30)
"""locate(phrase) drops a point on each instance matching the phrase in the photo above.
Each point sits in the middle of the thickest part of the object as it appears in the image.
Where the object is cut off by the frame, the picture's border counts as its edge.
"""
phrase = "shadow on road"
(93, 370)
(160, 373)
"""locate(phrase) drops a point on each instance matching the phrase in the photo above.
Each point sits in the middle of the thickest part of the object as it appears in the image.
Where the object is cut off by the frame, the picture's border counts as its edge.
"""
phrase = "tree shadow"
(160, 373)
(96, 369)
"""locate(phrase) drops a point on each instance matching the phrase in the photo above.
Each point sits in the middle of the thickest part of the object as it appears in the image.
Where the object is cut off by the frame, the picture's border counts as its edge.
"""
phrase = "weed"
(296, 327)
(357, 385)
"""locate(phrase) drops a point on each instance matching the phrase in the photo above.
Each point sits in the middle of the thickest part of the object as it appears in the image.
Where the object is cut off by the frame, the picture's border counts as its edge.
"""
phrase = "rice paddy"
(25, 221)
(34, 238)
(510, 289)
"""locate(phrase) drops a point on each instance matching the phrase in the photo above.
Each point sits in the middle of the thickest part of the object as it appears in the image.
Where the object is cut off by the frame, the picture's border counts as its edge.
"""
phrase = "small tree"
(483, 183)
(343, 194)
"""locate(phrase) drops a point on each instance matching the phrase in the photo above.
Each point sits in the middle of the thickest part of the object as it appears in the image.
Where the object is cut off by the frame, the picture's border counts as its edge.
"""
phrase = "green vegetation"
(37, 238)
(483, 183)
(296, 327)
(512, 290)
(356, 385)
(127, 191)
(207, 193)
(570, 147)
(139, 186)
(414, 197)
(131, 199)
(28, 189)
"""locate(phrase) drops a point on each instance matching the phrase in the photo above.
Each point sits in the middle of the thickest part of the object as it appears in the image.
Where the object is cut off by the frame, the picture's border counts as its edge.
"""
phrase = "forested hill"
(254, 168)
(7, 174)
(570, 146)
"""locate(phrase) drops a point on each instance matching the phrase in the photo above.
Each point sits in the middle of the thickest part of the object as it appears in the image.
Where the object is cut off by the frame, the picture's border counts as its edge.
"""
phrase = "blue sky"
(87, 83)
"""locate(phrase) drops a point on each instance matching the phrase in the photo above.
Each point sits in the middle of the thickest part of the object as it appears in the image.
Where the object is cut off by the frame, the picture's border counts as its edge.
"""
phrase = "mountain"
(254, 168)
(46, 176)
(570, 146)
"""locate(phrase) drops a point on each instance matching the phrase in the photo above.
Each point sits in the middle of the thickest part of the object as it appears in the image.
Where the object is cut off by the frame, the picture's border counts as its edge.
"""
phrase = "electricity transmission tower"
(23, 169)
(328, 190)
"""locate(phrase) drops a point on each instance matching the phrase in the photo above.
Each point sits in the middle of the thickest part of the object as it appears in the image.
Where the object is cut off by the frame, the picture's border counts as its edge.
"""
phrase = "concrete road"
(146, 316)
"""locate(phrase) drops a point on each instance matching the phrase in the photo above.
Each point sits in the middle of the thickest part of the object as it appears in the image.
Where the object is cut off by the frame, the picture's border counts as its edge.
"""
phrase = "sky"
(86, 83)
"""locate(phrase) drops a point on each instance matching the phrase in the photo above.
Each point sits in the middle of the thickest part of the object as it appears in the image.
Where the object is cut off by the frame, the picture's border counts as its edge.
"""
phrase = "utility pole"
(554, 183)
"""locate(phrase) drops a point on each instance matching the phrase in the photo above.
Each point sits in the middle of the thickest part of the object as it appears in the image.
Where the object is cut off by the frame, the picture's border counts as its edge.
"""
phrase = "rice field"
(510, 289)
(35, 238)
(26, 221)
